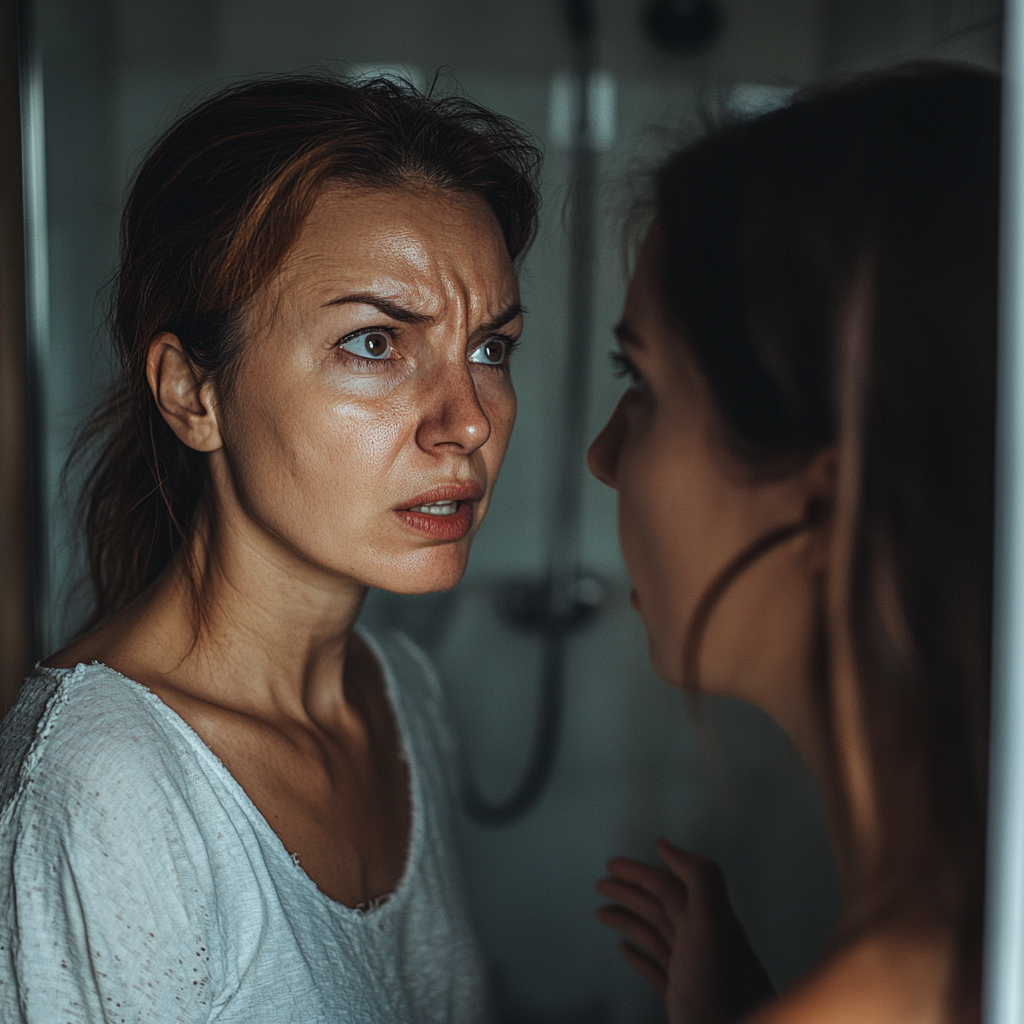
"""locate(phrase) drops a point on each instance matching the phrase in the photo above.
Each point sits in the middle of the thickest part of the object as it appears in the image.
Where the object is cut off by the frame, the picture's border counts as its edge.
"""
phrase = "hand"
(685, 938)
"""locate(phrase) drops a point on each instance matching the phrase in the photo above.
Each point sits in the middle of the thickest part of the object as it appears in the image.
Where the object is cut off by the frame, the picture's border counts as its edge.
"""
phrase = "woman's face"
(373, 405)
(687, 507)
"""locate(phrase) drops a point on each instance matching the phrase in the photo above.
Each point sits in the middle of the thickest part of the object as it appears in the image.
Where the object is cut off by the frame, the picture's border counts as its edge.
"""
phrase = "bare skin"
(374, 380)
(687, 507)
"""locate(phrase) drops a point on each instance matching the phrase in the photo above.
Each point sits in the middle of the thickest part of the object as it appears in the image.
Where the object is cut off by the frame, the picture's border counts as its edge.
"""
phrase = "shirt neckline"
(378, 907)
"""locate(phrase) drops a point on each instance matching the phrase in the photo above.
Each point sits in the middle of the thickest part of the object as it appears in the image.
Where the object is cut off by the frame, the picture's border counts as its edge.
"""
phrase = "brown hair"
(885, 192)
(210, 216)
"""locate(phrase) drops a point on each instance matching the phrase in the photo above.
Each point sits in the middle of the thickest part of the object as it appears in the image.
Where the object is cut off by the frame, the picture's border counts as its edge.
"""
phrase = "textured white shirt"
(139, 883)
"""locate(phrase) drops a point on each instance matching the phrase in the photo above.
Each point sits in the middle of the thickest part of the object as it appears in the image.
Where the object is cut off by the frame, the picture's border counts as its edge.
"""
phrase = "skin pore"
(687, 507)
(358, 446)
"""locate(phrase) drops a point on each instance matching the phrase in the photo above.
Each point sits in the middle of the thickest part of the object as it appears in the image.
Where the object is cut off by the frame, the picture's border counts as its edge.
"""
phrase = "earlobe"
(185, 401)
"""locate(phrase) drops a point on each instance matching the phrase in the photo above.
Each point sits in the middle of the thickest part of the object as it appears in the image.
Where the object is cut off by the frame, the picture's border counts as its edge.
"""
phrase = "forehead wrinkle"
(432, 275)
(456, 297)
(284, 292)
(481, 299)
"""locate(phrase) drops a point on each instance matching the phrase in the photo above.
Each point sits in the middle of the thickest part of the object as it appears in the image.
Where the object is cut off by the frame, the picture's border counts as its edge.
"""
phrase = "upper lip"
(465, 490)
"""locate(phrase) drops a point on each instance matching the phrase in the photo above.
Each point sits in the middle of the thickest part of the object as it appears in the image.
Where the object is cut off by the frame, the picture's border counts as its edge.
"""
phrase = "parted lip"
(462, 490)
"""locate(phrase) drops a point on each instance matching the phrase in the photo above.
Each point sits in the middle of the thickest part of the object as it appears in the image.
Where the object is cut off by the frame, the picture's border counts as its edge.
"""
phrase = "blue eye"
(493, 352)
(373, 344)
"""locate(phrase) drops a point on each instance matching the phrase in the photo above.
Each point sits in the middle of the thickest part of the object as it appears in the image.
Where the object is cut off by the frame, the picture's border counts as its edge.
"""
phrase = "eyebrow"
(408, 316)
(506, 316)
(386, 306)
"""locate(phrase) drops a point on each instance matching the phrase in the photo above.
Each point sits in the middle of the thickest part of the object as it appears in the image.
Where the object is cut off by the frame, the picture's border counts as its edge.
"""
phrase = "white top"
(139, 883)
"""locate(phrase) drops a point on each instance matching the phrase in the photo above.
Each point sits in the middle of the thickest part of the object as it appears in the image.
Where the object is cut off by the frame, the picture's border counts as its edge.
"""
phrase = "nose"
(603, 454)
(453, 418)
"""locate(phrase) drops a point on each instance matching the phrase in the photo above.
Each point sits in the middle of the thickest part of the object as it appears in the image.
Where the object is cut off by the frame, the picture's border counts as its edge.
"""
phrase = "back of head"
(833, 267)
(210, 216)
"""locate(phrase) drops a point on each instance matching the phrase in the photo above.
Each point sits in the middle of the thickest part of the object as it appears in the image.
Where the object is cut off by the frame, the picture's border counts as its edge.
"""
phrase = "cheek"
(673, 524)
(652, 531)
(310, 469)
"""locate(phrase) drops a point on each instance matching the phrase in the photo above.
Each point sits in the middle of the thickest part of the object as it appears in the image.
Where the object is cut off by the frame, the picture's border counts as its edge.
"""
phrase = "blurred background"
(574, 750)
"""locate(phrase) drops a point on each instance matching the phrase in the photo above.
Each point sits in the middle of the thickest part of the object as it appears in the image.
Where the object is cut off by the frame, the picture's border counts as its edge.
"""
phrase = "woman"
(804, 468)
(221, 800)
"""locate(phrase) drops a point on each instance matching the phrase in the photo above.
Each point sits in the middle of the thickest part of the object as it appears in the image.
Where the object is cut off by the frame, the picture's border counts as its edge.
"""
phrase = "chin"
(666, 660)
(424, 573)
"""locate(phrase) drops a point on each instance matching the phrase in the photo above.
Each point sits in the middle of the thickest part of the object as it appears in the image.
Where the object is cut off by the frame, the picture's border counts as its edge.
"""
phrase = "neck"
(272, 630)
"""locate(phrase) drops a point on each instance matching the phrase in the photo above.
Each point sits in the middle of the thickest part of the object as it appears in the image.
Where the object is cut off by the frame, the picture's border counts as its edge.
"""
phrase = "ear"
(185, 401)
(819, 481)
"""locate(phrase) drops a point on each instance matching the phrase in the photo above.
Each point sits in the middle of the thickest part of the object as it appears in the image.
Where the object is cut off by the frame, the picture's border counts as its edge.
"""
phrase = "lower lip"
(442, 528)
(634, 600)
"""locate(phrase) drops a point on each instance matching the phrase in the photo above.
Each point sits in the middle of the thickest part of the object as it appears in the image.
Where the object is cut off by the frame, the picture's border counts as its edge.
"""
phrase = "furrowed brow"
(506, 316)
(386, 306)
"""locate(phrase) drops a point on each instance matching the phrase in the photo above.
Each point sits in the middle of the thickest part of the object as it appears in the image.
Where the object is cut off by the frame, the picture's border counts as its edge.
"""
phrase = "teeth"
(437, 508)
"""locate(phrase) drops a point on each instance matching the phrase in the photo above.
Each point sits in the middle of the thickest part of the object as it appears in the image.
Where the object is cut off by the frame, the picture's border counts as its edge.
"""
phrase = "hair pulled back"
(210, 216)
(832, 269)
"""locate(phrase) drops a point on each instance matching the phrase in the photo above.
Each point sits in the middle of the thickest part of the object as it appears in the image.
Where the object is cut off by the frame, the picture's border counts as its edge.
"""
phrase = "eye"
(373, 344)
(493, 352)
(623, 367)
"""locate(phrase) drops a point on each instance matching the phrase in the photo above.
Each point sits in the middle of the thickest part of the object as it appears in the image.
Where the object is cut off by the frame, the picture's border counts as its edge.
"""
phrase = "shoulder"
(88, 718)
(103, 860)
(109, 819)
(877, 979)
(86, 750)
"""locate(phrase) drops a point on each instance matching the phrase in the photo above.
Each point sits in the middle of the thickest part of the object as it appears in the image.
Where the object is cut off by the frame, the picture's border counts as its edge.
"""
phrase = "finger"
(640, 902)
(701, 875)
(678, 858)
(642, 934)
(659, 882)
(647, 967)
